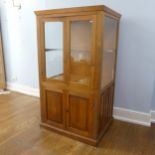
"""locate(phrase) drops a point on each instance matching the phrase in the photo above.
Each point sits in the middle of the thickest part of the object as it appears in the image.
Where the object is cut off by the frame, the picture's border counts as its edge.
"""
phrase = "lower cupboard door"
(54, 102)
(79, 115)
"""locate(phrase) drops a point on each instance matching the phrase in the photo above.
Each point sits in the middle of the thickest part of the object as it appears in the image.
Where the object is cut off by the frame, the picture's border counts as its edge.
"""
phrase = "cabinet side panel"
(109, 50)
(106, 107)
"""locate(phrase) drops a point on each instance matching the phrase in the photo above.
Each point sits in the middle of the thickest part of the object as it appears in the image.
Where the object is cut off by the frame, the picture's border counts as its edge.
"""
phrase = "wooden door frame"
(83, 17)
(42, 50)
(41, 41)
(3, 82)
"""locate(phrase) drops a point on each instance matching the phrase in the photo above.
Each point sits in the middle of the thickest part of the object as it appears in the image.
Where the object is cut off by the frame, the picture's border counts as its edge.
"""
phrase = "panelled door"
(81, 56)
(53, 72)
(82, 31)
(67, 59)
(80, 114)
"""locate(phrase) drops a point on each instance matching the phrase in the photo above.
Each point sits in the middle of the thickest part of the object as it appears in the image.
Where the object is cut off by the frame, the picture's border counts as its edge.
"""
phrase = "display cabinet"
(77, 63)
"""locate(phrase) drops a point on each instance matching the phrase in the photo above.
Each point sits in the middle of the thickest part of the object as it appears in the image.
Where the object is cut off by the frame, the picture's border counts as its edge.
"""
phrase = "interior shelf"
(53, 49)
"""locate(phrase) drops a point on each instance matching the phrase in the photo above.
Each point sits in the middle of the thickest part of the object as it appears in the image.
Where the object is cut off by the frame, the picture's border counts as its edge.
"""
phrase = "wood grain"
(54, 106)
(20, 134)
(79, 9)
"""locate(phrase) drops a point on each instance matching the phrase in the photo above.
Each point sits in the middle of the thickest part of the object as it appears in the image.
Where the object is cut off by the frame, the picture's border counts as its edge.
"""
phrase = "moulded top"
(79, 9)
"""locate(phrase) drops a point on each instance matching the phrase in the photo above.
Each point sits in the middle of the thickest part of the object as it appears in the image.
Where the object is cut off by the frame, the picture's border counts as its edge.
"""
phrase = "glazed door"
(53, 56)
(52, 71)
(81, 50)
(68, 50)
(2, 73)
(81, 55)
(67, 58)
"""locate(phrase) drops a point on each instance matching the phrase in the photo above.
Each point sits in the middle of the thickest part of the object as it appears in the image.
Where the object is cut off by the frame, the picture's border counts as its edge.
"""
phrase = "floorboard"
(20, 134)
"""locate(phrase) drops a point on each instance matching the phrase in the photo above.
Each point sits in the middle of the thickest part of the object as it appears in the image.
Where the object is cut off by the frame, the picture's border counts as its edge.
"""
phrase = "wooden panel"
(76, 10)
(106, 107)
(54, 107)
(78, 114)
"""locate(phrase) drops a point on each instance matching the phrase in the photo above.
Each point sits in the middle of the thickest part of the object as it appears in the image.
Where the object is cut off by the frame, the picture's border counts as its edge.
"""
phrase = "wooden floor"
(20, 134)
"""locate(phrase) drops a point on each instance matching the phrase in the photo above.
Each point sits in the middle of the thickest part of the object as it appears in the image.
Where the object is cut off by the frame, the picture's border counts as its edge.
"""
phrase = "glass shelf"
(80, 55)
(80, 80)
(57, 77)
(52, 49)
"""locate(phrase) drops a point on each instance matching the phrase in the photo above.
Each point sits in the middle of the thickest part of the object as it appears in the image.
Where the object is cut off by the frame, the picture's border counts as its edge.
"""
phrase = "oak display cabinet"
(77, 63)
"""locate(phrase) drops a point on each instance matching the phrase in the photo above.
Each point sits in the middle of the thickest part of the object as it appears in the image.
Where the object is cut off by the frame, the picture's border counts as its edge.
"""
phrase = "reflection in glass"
(80, 56)
(54, 50)
(109, 51)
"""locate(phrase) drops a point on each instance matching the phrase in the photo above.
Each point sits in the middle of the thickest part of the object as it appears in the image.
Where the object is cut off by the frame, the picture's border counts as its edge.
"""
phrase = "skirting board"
(23, 89)
(153, 116)
(119, 113)
(132, 116)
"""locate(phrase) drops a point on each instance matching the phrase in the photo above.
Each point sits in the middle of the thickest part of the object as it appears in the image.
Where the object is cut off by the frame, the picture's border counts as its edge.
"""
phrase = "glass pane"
(81, 45)
(109, 51)
(54, 50)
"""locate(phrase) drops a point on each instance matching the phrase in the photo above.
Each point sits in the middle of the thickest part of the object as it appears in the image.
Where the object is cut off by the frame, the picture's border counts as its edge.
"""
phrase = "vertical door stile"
(93, 50)
(42, 55)
(41, 39)
(66, 50)
(66, 68)
(116, 48)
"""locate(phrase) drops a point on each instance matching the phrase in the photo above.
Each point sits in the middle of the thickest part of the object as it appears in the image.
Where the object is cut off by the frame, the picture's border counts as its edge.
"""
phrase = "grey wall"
(20, 44)
(135, 86)
(153, 99)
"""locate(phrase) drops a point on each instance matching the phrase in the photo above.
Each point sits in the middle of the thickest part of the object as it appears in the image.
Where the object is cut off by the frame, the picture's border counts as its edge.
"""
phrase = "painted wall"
(20, 44)
(135, 88)
(153, 99)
